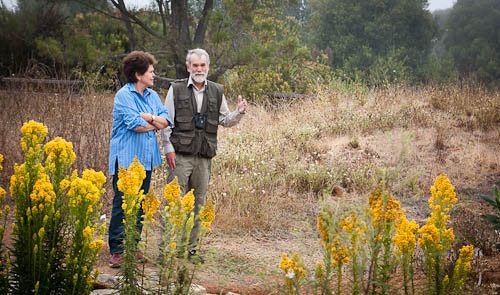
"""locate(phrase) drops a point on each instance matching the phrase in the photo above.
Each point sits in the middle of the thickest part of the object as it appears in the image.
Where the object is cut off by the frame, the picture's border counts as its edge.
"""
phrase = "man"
(137, 113)
(196, 106)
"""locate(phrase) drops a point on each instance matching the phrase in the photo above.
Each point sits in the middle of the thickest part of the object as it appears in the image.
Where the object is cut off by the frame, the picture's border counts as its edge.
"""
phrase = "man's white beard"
(199, 77)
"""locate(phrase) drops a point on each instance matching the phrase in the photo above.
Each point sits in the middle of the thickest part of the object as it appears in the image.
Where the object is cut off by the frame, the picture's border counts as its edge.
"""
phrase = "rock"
(337, 191)
(105, 292)
(197, 290)
(232, 293)
(106, 281)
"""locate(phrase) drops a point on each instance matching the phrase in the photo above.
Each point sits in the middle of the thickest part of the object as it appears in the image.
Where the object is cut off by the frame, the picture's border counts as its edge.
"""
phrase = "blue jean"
(116, 229)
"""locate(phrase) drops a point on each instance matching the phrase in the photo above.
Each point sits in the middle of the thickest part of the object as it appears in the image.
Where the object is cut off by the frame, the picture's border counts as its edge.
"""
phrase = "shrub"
(56, 218)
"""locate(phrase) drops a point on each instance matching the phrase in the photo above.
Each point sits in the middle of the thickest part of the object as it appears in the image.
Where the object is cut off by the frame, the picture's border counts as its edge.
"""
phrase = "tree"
(358, 34)
(184, 25)
(473, 38)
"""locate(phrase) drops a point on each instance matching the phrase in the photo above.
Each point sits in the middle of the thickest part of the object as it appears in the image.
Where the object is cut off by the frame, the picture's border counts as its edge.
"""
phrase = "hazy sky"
(433, 4)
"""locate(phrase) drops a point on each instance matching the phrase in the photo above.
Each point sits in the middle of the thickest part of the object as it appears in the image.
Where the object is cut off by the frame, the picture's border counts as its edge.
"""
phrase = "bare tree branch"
(199, 36)
(161, 9)
(119, 4)
(84, 3)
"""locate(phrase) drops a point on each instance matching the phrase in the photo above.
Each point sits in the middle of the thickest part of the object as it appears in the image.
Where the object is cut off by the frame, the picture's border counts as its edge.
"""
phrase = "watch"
(152, 118)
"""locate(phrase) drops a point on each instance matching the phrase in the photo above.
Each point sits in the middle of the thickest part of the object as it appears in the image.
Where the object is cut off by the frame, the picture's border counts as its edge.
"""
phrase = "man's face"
(198, 68)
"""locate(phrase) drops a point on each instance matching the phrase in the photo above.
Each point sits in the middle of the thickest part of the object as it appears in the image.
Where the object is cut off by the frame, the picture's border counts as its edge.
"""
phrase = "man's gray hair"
(199, 52)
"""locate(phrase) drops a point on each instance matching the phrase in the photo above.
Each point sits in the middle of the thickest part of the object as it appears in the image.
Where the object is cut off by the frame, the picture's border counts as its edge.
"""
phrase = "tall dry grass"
(83, 119)
(271, 169)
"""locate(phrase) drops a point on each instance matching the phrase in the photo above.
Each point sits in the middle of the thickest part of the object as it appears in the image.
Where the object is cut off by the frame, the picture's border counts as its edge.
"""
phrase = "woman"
(137, 113)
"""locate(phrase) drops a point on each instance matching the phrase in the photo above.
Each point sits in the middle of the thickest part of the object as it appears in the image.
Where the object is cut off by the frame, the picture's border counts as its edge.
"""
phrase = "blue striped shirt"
(125, 143)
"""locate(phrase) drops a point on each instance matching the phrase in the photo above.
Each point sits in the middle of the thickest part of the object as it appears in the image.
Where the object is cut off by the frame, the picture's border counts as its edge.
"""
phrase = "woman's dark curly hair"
(137, 62)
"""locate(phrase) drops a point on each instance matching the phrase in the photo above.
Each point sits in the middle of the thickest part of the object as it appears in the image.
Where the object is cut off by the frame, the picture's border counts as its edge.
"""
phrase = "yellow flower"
(463, 264)
(188, 202)
(2, 195)
(59, 150)
(1, 160)
(88, 233)
(43, 191)
(83, 192)
(429, 236)
(137, 168)
(34, 131)
(323, 224)
(405, 235)
(129, 182)
(150, 205)
(388, 212)
(207, 214)
(41, 233)
(96, 245)
(97, 178)
(340, 255)
(64, 184)
(172, 191)
(285, 262)
(173, 245)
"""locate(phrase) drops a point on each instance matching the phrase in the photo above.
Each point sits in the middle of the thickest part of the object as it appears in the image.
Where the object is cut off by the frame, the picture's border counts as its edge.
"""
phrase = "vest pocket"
(185, 123)
(211, 126)
(208, 147)
(183, 143)
(212, 106)
(183, 102)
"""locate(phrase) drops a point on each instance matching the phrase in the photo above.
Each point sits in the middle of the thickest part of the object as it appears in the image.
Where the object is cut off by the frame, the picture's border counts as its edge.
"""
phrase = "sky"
(433, 4)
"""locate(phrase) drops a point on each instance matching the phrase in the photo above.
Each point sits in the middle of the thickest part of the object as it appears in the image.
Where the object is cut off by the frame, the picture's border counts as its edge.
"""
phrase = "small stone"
(106, 281)
(338, 191)
(232, 293)
(197, 290)
(105, 292)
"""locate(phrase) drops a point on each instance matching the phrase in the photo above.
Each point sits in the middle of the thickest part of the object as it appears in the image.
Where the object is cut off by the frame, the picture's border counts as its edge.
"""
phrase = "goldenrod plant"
(375, 243)
(356, 233)
(383, 212)
(56, 217)
(150, 206)
(130, 182)
(177, 268)
(405, 241)
(4, 259)
(294, 273)
(436, 241)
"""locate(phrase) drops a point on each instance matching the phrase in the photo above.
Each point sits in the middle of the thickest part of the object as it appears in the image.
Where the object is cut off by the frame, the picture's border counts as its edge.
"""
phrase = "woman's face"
(147, 78)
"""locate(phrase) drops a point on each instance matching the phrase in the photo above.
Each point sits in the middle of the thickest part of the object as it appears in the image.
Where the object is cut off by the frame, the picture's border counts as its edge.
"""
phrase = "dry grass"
(84, 120)
(272, 168)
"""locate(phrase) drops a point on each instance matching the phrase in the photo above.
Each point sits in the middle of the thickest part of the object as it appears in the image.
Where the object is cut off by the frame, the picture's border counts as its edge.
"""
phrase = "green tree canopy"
(473, 38)
(358, 34)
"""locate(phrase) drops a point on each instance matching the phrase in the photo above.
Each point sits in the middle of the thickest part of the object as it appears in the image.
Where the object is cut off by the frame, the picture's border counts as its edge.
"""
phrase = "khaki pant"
(193, 172)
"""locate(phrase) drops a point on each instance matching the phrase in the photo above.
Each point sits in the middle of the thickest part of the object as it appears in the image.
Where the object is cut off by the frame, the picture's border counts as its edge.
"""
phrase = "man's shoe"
(115, 260)
(195, 258)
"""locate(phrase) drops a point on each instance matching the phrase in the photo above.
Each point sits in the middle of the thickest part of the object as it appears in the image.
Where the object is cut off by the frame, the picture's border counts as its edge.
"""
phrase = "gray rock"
(197, 290)
(105, 292)
(106, 281)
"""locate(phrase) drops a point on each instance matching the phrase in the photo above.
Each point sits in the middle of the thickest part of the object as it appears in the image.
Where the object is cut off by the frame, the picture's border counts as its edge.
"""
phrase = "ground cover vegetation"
(272, 171)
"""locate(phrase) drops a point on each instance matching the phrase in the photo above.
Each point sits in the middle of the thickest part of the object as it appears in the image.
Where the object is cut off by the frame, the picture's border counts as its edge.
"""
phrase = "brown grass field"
(273, 168)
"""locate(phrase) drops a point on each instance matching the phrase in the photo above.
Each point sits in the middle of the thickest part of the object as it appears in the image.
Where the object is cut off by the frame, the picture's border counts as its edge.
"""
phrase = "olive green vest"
(185, 137)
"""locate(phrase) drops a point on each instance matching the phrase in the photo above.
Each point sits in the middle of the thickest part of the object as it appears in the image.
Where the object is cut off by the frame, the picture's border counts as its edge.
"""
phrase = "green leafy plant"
(495, 219)
(56, 217)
